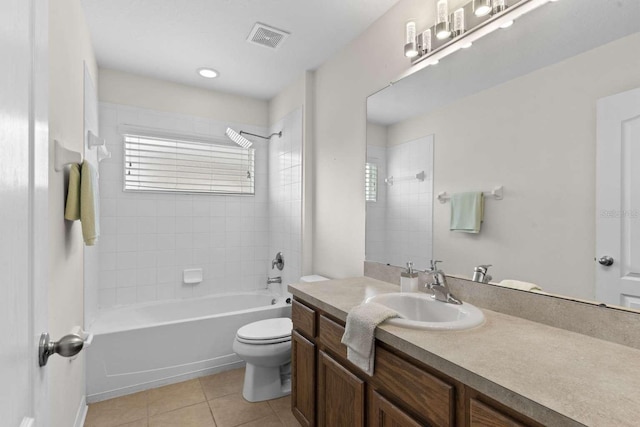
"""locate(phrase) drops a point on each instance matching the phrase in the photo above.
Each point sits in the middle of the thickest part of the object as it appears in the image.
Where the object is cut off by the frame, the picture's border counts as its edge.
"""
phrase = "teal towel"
(467, 212)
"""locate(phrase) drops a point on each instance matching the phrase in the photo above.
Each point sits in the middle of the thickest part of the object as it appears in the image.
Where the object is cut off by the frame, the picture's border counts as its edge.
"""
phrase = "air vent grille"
(264, 35)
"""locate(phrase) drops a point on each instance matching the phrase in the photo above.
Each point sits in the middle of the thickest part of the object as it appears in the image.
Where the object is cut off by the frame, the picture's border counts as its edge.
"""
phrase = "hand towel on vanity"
(83, 202)
(467, 212)
(359, 334)
(522, 286)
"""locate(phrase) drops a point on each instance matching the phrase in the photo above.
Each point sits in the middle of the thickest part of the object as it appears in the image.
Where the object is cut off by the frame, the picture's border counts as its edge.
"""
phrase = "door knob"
(68, 346)
(606, 260)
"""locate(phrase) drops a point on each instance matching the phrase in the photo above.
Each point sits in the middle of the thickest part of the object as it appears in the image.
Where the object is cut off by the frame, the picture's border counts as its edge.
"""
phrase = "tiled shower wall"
(149, 239)
(399, 223)
(285, 196)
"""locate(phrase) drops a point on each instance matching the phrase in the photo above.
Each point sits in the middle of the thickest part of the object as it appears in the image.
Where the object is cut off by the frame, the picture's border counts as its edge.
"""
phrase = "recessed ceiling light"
(208, 73)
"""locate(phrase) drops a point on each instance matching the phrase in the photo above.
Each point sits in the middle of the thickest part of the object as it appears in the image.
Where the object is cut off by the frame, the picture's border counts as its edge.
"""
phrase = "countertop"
(551, 375)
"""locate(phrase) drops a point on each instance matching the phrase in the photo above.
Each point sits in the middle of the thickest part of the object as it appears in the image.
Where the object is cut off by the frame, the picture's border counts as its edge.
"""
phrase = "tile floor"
(213, 401)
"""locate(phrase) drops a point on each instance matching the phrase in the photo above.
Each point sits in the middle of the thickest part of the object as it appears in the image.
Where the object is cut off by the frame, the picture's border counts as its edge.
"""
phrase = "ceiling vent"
(266, 36)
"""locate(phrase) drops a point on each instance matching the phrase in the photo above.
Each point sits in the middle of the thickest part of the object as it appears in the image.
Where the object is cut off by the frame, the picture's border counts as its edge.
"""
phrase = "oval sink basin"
(422, 311)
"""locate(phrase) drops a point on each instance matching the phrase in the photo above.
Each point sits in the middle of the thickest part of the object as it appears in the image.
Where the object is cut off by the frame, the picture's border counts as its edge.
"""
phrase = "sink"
(422, 311)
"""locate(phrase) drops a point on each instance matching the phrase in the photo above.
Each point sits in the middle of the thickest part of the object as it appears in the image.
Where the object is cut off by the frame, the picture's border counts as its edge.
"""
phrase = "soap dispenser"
(409, 279)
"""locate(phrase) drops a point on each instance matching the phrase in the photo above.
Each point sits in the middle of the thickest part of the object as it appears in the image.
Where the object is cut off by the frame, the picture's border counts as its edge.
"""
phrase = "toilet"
(265, 346)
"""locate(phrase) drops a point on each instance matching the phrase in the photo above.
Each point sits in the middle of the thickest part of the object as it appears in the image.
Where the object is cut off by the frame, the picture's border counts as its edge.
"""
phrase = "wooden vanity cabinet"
(329, 391)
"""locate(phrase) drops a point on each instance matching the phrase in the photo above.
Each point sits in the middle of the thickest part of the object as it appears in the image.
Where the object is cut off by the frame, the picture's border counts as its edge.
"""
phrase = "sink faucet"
(439, 285)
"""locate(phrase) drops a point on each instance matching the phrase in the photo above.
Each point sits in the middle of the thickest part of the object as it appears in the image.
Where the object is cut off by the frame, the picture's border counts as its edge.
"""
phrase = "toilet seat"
(269, 331)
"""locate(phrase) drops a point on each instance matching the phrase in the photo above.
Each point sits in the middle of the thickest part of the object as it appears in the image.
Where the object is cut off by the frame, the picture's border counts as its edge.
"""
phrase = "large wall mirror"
(544, 109)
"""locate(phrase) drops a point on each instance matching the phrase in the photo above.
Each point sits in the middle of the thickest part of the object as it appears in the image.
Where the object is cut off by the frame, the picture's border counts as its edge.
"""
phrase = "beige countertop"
(551, 375)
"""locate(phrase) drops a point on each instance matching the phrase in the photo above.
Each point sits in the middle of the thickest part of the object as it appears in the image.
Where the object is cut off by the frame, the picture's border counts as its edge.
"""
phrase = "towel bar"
(63, 156)
(497, 193)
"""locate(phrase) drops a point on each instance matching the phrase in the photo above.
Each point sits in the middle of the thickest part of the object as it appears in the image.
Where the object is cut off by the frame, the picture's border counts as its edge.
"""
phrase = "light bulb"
(410, 48)
(443, 11)
(443, 34)
(506, 24)
(208, 73)
(426, 41)
(481, 7)
(410, 32)
(458, 21)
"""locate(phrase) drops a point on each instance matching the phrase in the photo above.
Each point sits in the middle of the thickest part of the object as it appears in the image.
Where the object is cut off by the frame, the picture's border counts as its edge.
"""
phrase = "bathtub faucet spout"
(271, 280)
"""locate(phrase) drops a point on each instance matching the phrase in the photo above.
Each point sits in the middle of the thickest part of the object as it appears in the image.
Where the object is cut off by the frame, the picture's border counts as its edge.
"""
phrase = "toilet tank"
(312, 278)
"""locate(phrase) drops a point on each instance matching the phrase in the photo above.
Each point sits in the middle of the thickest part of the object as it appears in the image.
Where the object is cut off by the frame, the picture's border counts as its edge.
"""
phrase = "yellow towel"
(467, 212)
(72, 209)
(83, 202)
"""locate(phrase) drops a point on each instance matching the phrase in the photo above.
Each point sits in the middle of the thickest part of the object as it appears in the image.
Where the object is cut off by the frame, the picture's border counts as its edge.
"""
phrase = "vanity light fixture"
(208, 73)
(443, 29)
(458, 22)
(410, 46)
(482, 7)
(459, 30)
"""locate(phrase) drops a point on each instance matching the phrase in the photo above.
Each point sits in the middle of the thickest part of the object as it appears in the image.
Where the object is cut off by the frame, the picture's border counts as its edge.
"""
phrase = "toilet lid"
(269, 329)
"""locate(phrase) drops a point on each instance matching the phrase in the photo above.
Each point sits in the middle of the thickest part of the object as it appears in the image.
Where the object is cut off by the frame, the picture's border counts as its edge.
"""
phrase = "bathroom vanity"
(506, 372)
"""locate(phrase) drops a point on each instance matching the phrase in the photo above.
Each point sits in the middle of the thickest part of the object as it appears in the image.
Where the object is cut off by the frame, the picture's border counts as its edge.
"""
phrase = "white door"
(23, 210)
(618, 200)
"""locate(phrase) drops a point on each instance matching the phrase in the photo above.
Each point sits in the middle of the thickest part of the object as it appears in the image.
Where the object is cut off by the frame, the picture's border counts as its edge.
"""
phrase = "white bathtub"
(141, 347)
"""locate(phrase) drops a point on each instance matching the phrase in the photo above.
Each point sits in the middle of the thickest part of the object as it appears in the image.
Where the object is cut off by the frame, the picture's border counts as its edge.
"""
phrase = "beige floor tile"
(192, 416)
(233, 410)
(115, 412)
(175, 396)
(287, 418)
(270, 421)
(282, 404)
(223, 384)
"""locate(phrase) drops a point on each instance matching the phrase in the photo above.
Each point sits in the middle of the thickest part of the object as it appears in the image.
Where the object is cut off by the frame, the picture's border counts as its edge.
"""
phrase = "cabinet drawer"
(304, 319)
(417, 389)
(482, 415)
(330, 334)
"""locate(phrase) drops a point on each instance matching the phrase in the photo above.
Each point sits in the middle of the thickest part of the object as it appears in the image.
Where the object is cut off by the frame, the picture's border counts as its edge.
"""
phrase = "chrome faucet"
(271, 280)
(439, 285)
(480, 274)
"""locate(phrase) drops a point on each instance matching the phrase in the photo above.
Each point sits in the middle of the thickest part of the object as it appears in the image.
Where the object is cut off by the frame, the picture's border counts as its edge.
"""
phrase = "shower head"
(238, 139)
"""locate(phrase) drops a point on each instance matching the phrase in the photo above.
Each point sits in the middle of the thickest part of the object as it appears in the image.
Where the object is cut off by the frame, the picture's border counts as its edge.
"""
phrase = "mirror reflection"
(549, 110)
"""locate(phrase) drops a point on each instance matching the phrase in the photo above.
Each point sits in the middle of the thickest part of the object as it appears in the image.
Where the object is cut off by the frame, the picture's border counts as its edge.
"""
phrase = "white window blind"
(173, 165)
(371, 182)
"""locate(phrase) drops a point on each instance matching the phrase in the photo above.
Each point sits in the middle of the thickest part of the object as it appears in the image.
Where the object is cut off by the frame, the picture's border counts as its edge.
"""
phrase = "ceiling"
(171, 39)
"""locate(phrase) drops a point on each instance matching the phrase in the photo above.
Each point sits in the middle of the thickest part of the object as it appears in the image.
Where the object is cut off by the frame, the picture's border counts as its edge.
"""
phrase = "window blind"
(173, 165)
(371, 182)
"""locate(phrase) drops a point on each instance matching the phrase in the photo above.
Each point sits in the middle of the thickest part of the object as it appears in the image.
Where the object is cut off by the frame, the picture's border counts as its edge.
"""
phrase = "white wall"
(148, 239)
(343, 83)
(543, 152)
(69, 48)
(118, 87)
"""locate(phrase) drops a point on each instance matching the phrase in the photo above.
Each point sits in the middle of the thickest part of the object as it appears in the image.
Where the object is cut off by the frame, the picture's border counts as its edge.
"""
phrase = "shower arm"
(260, 136)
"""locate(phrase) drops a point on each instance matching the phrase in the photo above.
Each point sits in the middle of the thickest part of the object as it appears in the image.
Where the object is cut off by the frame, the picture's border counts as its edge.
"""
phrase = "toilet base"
(266, 383)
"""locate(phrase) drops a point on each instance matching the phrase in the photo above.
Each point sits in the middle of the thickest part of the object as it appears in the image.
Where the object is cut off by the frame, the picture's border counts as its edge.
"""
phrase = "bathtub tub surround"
(188, 338)
(511, 369)
(150, 238)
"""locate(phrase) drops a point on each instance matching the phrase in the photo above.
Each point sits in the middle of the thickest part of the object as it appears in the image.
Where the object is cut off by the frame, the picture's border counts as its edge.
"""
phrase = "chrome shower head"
(238, 139)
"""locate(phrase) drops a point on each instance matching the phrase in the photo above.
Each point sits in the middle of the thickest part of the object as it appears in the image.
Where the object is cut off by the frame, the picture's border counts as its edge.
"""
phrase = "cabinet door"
(383, 413)
(482, 415)
(340, 395)
(303, 379)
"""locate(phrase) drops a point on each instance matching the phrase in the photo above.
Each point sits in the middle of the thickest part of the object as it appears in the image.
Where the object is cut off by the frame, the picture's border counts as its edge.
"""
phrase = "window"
(169, 164)
(371, 182)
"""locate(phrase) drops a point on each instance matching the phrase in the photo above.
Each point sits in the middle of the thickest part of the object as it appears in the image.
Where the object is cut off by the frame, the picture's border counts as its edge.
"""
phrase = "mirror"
(519, 110)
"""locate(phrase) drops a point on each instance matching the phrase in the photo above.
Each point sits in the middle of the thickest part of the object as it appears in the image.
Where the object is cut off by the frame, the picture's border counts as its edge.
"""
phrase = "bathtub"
(145, 346)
